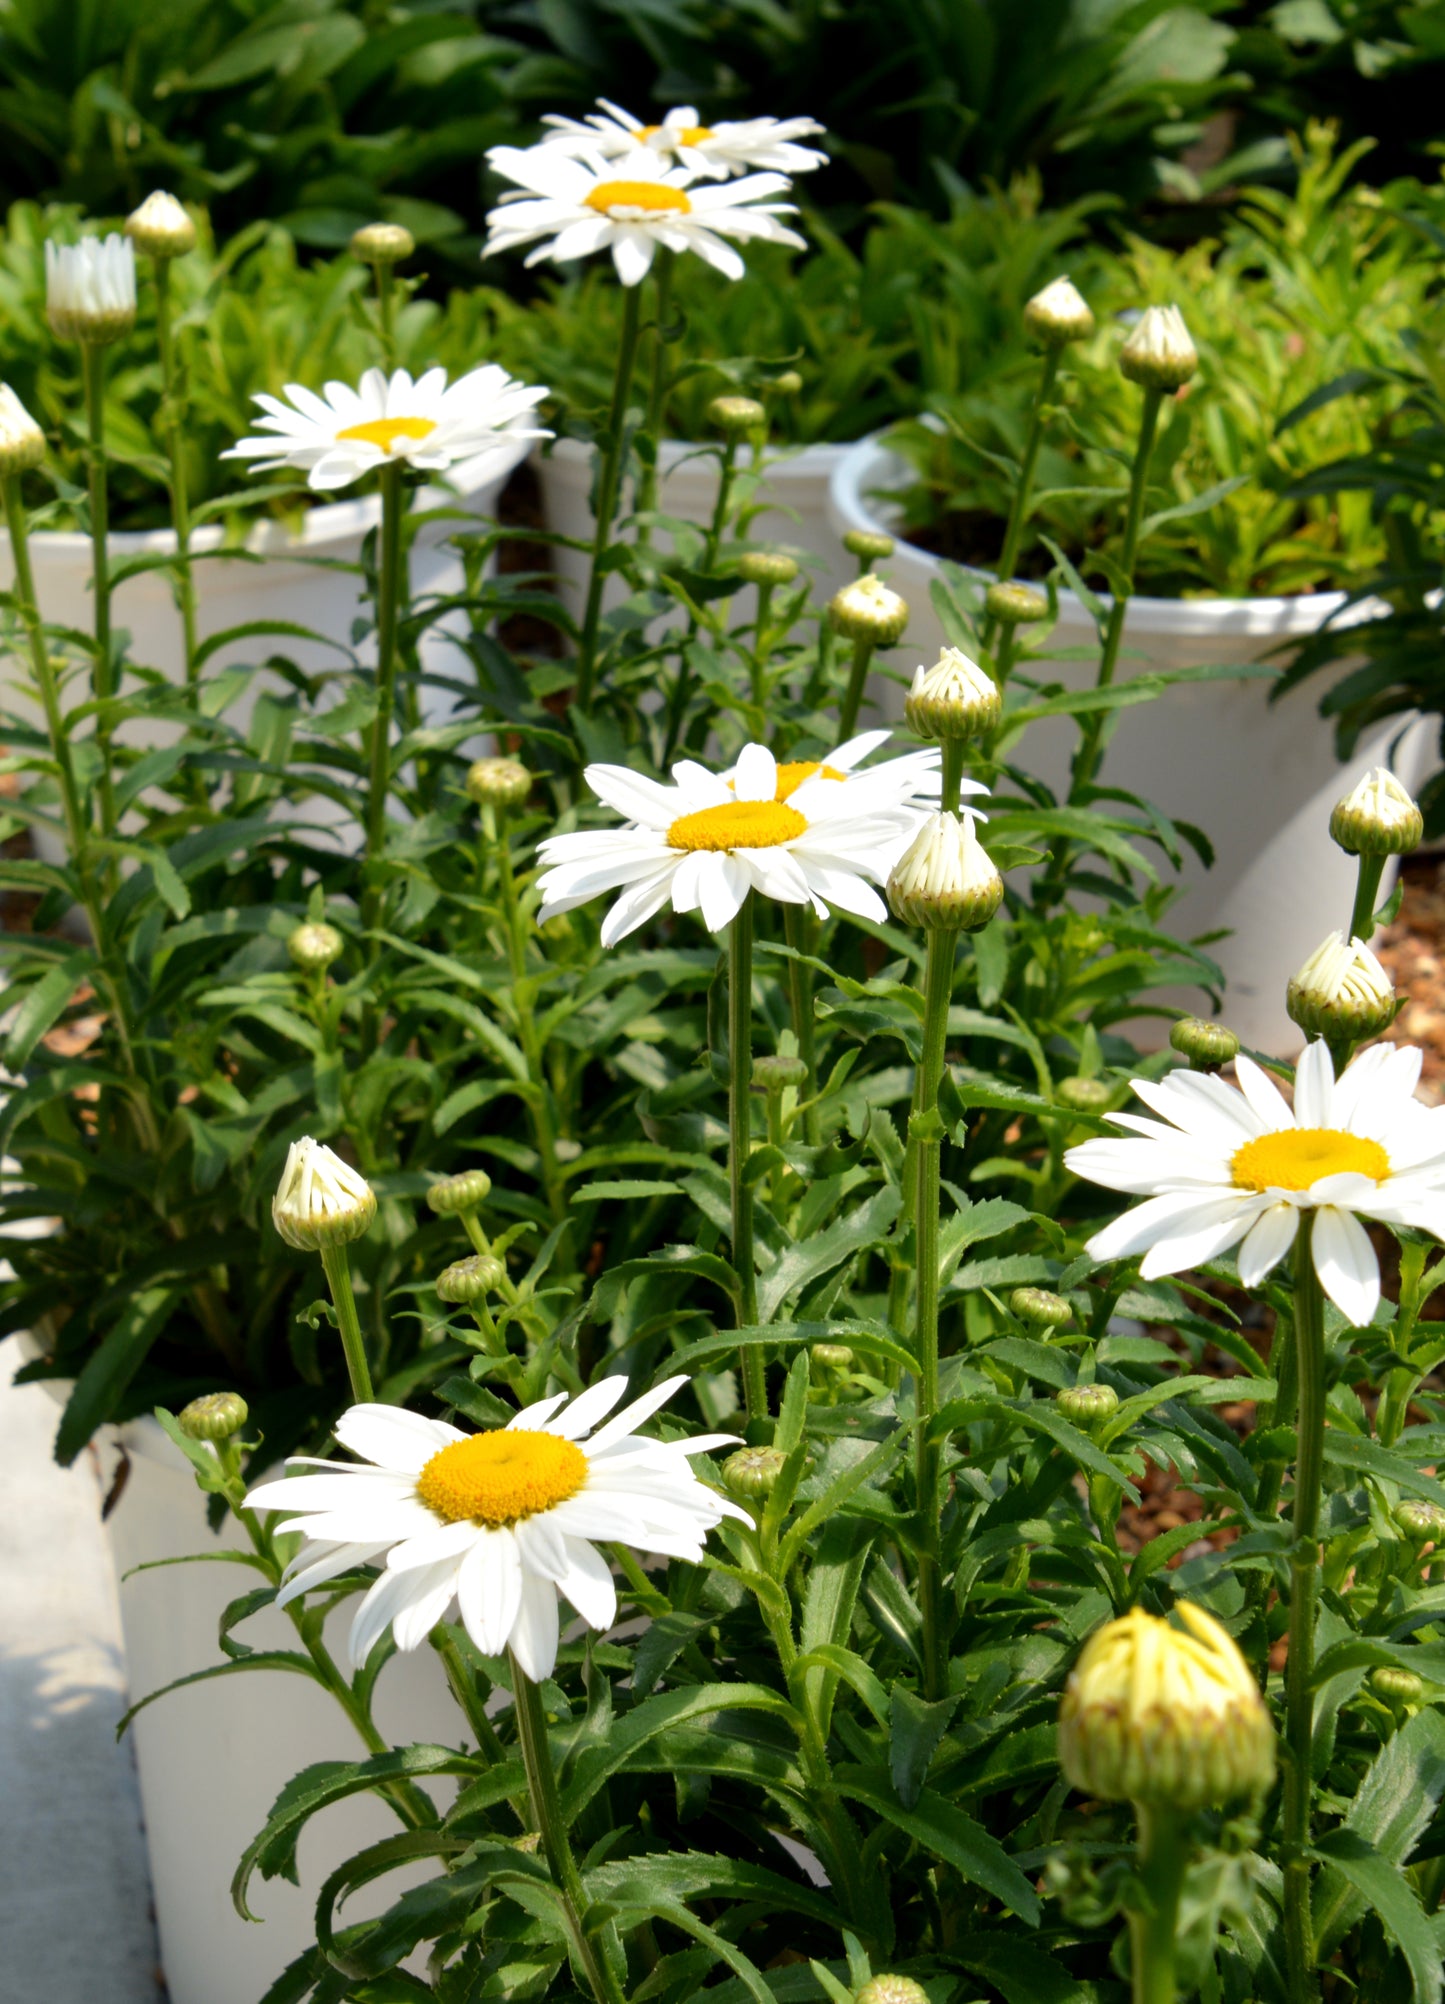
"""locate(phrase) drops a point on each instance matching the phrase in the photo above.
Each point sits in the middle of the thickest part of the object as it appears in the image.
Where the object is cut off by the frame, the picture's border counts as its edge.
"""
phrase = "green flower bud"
(891, 1990)
(946, 881)
(160, 227)
(869, 544)
(1342, 991)
(471, 1279)
(1377, 817)
(1159, 353)
(954, 699)
(1397, 1685)
(1015, 604)
(1206, 1045)
(1087, 1405)
(215, 1417)
(753, 1471)
(1420, 1521)
(770, 567)
(734, 417)
(458, 1196)
(321, 1201)
(1165, 1716)
(789, 384)
(1037, 1305)
(868, 610)
(1084, 1095)
(314, 946)
(1059, 314)
(773, 1073)
(382, 243)
(498, 782)
(832, 1356)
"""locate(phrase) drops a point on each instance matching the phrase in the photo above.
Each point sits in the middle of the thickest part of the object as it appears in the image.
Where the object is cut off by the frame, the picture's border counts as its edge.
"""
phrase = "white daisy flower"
(708, 839)
(733, 146)
(912, 782)
(1225, 1165)
(629, 206)
(501, 1522)
(346, 433)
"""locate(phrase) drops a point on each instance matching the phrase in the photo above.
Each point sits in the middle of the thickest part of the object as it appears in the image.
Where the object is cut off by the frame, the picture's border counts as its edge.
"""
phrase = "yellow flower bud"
(314, 946)
(734, 417)
(498, 782)
(216, 1416)
(382, 243)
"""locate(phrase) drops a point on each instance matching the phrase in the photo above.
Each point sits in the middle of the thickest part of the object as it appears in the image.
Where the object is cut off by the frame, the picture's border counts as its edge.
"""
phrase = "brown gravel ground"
(1413, 952)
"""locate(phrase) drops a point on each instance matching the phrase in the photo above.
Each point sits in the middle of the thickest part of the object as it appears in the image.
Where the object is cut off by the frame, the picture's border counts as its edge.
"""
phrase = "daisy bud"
(1377, 818)
(955, 698)
(1083, 1095)
(754, 1471)
(1015, 604)
(789, 384)
(458, 1196)
(1158, 1714)
(498, 782)
(90, 289)
(1159, 353)
(471, 1279)
(1341, 992)
(1059, 314)
(1397, 1685)
(868, 610)
(215, 1417)
(891, 1990)
(769, 567)
(382, 243)
(1206, 1045)
(773, 1073)
(734, 417)
(870, 544)
(832, 1356)
(1037, 1305)
(322, 1201)
(313, 947)
(946, 881)
(22, 442)
(160, 227)
(1087, 1406)
(1424, 1522)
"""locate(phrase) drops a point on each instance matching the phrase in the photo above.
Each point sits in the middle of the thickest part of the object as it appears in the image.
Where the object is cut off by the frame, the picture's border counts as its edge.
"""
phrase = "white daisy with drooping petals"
(630, 206)
(502, 1523)
(345, 433)
(1226, 1165)
(707, 840)
(732, 146)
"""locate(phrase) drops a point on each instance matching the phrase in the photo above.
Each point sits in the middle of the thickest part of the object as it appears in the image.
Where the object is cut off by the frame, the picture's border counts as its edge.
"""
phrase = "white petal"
(1314, 1086)
(392, 1437)
(318, 1564)
(1346, 1264)
(489, 1590)
(589, 1585)
(1267, 1242)
(435, 1588)
(534, 1633)
(531, 1419)
(633, 1416)
(443, 1541)
(1177, 1214)
(756, 774)
(540, 1543)
(1264, 1095)
(722, 886)
(588, 1407)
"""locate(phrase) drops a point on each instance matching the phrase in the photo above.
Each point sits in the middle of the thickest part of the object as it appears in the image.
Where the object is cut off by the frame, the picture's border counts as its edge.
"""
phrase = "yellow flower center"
(385, 431)
(610, 195)
(792, 775)
(1296, 1157)
(739, 824)
(499, 1478)
(690, 135)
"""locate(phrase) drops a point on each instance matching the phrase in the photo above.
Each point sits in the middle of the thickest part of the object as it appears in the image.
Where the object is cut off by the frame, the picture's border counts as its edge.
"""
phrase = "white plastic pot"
(794, 487)
(1260, 779)
(213, 1758)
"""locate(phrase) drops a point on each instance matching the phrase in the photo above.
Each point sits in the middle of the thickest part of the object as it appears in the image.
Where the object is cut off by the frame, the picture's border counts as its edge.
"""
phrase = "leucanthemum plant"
(728, 147)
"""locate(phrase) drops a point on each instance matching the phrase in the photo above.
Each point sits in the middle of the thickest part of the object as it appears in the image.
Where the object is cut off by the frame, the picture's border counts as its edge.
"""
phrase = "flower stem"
(1309, 1338)
(387, 612)
(547, 1808)
(185, 584)
(740, 1082)
(386, 312)
(853, 695)
(338, 1279)
(608, 482)
(494, 826)
(102, 686)
(1367, 891)
(1162, 1856)
(1019, 512)
(938, 992)
(76, 826)
(800, 1001)
(657, 390)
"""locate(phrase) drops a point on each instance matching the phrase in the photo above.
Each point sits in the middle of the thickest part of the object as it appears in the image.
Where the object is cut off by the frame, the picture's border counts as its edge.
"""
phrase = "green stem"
(338, 1279)
(386, 313)
(102, 681)
(547, 1808)
(609, 480)
(494, 823)
(800, 1002)
(1367, 894)
(1019, 512)
(464, 1690)
(76, 828)
(1309, 1337)
(740, 1078)
(171, 424)
(1163, 1854)
(951, 787)
(726, 471)
(927, 1454)
(388, 601)
(657, 389)
(853, 695)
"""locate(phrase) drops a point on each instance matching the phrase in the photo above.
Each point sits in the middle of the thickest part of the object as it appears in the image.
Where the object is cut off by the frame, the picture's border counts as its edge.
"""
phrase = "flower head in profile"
(707, 840)
(630, 206)
(90, 288)
(732, 146)
(1231, 1166)
(320, 1200)
(345, 433)
(502, 1522)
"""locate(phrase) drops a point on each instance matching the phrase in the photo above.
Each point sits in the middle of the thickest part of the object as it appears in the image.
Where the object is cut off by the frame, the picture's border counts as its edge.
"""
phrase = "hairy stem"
(609, 480)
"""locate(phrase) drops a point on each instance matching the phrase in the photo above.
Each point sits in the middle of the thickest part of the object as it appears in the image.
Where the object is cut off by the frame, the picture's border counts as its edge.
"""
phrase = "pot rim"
(804, 462)
(864, 466)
